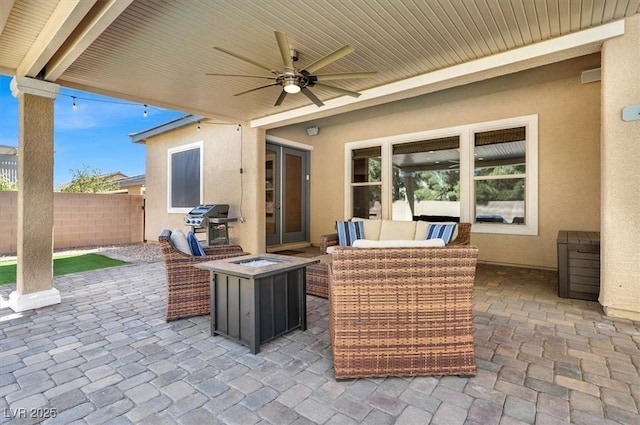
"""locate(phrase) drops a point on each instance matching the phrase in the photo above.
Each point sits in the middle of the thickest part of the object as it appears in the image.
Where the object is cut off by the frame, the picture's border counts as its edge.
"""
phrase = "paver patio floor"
(106, 355)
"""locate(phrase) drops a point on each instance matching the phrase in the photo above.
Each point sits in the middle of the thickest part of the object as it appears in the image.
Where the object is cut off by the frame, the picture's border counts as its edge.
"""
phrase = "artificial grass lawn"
(63, 265)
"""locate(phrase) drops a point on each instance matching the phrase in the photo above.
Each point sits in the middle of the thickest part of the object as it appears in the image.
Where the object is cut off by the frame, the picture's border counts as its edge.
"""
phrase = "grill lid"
(210, 211)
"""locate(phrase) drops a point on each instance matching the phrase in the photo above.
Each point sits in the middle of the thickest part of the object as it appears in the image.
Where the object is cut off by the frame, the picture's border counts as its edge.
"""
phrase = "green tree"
(507, 189)
(5, 184)
(86, 180)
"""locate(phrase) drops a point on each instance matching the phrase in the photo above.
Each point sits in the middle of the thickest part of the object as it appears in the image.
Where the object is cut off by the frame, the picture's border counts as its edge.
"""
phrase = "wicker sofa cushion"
(371, 227)
(404, 243)
(395, 229)
(179, 240)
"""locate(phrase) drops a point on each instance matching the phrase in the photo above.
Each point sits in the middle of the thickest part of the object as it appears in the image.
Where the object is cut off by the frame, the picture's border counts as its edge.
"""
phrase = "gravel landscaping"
(147, 253)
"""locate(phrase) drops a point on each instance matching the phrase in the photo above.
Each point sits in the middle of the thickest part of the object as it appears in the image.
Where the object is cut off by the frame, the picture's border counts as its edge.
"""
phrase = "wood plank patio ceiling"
(158, 52)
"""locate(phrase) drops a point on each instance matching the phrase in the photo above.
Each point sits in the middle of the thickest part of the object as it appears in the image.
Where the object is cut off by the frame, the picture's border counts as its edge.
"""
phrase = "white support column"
(34, 286)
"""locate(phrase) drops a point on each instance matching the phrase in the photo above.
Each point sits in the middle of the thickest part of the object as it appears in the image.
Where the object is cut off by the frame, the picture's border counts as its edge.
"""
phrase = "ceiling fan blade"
(344, 76)
(236, 75)
(311, 96)
(283, 94)
(251, 61)
(337, 90)
(322, 62)
(257, 88)
(285, 52)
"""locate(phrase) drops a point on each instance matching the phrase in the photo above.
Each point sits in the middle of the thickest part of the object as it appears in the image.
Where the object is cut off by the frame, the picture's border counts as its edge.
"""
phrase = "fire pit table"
(257, 298)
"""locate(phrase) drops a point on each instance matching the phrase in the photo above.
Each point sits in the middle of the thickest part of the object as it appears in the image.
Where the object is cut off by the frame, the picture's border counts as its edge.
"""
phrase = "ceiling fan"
(294, 80)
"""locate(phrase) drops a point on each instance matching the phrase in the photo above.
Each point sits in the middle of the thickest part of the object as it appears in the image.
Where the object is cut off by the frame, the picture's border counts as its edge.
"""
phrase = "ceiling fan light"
(291, 87)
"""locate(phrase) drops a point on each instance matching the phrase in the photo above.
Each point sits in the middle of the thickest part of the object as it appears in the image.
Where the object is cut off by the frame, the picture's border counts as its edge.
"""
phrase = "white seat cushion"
(425, 243)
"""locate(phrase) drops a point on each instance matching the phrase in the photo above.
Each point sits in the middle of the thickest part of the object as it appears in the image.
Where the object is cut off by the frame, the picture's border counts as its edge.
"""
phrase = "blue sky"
(95, 134)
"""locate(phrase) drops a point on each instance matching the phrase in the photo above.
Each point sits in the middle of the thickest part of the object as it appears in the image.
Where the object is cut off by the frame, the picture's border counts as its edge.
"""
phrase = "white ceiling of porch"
(157, 52)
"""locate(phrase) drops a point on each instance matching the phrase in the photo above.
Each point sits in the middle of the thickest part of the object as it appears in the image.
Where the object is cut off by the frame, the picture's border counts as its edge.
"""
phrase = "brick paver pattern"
(106, 355)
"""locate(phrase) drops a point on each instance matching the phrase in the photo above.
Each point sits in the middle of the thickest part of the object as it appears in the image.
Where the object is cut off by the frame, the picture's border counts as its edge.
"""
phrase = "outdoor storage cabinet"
(579, 265)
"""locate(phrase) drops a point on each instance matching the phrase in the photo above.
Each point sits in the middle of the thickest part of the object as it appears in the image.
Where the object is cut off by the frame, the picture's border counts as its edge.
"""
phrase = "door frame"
(283, 146)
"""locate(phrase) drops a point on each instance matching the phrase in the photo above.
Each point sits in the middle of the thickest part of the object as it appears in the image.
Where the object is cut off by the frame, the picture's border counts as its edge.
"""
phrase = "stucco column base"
(22, 302)
(622, 314)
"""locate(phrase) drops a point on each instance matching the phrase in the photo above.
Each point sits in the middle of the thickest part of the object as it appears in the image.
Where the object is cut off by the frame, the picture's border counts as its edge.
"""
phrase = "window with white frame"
(426, 179)
(366, 182)
(483, 173)
(185, 177)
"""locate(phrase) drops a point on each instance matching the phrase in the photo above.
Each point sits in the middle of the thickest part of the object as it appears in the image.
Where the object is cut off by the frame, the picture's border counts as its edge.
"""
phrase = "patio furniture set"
(399, 306)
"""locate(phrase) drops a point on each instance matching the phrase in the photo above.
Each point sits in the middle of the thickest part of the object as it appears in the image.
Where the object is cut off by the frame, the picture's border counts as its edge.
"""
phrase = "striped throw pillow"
(441, 231)
(349, 231)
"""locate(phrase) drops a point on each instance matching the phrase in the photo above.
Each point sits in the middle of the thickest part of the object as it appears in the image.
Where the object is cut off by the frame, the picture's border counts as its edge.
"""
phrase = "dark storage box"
(579, 265)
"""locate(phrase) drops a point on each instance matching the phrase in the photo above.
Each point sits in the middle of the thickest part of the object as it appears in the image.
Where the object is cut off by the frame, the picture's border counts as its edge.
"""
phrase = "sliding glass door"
(287, 195)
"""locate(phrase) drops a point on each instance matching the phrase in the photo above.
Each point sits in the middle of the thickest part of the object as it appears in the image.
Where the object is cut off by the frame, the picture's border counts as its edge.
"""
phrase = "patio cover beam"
(64, 19)
(96, 21)
(5, 11)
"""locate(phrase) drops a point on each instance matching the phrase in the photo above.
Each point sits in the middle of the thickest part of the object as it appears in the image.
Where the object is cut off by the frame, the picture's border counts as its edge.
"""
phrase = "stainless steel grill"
(211, 219)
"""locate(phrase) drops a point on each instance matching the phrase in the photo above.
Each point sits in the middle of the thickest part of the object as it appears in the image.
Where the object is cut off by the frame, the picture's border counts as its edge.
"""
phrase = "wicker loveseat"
(188, 288)
(402, 311)
(318, 274)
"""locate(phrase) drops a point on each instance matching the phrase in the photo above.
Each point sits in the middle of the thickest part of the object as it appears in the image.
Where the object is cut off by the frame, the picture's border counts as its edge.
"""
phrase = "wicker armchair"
(188, 288)
(402, 311)
(318, 274)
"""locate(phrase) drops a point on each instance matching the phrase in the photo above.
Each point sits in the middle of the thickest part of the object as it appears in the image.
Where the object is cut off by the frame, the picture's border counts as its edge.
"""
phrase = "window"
(366, 182)
(426, 179)
(484, 173)
(184, 181)
(499, 176)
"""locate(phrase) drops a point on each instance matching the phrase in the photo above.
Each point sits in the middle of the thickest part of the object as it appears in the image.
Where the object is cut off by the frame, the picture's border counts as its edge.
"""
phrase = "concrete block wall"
(8, 222)
(80, 220)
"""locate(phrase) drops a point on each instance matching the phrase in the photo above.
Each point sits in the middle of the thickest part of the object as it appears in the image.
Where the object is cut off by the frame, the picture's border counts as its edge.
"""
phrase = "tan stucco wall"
(620, 255)
(569, 150)
(223, 181)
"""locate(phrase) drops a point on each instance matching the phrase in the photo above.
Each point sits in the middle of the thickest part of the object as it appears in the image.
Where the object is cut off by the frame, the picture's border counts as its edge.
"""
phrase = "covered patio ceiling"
(158, 52)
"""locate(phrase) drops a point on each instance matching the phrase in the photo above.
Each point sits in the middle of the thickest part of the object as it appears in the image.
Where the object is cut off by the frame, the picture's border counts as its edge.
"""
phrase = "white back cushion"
(371, 227)
(396, 230)
(179, 240)
(421, 230)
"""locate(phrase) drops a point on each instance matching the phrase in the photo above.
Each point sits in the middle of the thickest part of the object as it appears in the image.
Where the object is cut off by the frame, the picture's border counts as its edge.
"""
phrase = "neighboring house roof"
(8, 150)
(116, 176)
(142, 136)
(132, 181)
